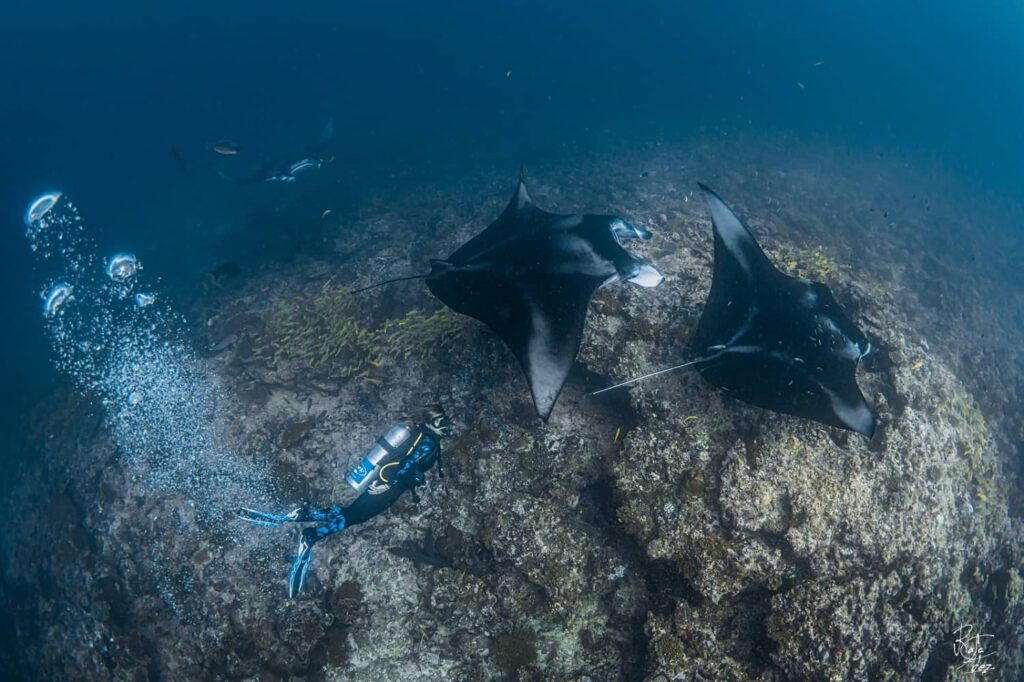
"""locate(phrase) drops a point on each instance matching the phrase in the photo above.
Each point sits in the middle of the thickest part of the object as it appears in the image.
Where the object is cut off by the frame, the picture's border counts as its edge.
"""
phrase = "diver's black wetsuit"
(424, 452)
(412, 458)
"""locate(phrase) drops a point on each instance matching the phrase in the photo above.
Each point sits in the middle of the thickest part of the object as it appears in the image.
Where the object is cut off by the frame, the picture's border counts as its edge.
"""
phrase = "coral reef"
(666, 532)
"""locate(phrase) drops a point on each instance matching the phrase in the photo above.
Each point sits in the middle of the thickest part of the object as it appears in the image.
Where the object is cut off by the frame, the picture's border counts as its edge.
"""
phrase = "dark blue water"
(96, 97)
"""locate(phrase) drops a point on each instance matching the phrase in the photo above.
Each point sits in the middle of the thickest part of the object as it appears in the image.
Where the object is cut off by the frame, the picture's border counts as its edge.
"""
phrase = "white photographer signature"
(970, 647)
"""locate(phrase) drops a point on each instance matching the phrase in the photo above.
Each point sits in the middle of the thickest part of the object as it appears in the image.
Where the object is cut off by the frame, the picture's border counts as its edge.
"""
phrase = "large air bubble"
(142, 300)
(123, 266)
(55, 297)
(41, 206)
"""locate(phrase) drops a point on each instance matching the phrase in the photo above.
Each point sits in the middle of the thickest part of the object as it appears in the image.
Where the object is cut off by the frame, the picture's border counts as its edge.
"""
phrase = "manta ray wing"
(776, 341)
(780, 383)
(741, 270)
(520, 218)
(539, 317)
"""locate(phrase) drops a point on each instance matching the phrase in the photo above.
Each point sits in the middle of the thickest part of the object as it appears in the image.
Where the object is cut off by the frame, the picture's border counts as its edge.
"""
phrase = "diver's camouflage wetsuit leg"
(331, 520)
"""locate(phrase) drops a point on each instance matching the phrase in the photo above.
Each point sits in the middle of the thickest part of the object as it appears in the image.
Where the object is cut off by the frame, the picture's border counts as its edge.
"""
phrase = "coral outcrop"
(666, 532)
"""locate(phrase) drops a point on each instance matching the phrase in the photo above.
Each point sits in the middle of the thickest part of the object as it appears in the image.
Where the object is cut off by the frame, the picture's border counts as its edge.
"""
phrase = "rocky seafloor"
(661, 533)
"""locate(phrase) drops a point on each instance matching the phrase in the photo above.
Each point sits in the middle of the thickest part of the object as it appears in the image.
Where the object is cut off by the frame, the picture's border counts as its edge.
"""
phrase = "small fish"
(801, 85)
(819, 63)
(618, 432)
(917, 364)
(226, 148)
(691, 418)
(326, 213)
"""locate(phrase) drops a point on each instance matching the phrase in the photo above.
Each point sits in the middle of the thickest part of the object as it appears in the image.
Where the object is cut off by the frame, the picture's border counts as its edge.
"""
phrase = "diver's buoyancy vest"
(385, 455)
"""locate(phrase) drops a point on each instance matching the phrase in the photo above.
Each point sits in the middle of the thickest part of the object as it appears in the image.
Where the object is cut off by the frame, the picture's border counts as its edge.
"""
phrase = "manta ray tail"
(652, 374)
(436, 268)
(389, 281)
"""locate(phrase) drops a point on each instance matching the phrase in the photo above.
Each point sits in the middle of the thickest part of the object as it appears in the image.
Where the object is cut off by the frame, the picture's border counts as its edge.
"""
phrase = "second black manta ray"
(776, 341)
(530, 276)
(286, 169)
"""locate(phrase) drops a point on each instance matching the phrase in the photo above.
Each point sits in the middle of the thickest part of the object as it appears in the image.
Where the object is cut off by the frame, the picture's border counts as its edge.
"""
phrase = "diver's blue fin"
(302, 559)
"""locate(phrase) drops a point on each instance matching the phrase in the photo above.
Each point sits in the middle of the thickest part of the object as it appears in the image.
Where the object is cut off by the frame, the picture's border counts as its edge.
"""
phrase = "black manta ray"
(775, 341)
(530, 276)
(288, 169)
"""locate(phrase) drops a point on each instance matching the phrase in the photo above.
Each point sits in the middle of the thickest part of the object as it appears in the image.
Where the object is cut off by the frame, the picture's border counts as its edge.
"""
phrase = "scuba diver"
(397, 462)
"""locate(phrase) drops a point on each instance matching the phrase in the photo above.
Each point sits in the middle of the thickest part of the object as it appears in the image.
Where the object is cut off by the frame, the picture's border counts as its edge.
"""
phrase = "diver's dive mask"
(435, 419)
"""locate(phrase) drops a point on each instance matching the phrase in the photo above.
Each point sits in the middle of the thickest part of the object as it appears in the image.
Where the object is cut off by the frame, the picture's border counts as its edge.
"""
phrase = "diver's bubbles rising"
(55, 297)
(122, 270)
(123, 266)
(54, 233)
(40, 206)
(130, 351)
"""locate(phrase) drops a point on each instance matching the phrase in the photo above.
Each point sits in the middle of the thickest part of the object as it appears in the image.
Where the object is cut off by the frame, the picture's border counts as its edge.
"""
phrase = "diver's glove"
(302, 559)
(267, 519)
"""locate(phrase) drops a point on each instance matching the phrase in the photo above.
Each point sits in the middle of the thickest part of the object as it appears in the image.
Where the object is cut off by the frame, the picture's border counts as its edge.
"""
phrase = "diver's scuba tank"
(387, 451)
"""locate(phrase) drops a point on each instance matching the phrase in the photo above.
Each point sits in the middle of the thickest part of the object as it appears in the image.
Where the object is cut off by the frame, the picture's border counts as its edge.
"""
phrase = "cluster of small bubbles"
(55, 297)
(161, 403)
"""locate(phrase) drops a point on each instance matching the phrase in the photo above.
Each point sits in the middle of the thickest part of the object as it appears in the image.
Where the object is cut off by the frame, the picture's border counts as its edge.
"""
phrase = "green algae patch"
(325, 334)
(807, 262)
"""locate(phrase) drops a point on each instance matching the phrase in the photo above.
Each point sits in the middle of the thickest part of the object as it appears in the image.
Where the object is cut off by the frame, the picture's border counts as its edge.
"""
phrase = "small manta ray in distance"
(288, 169)
(530, 275)
(775, 341)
